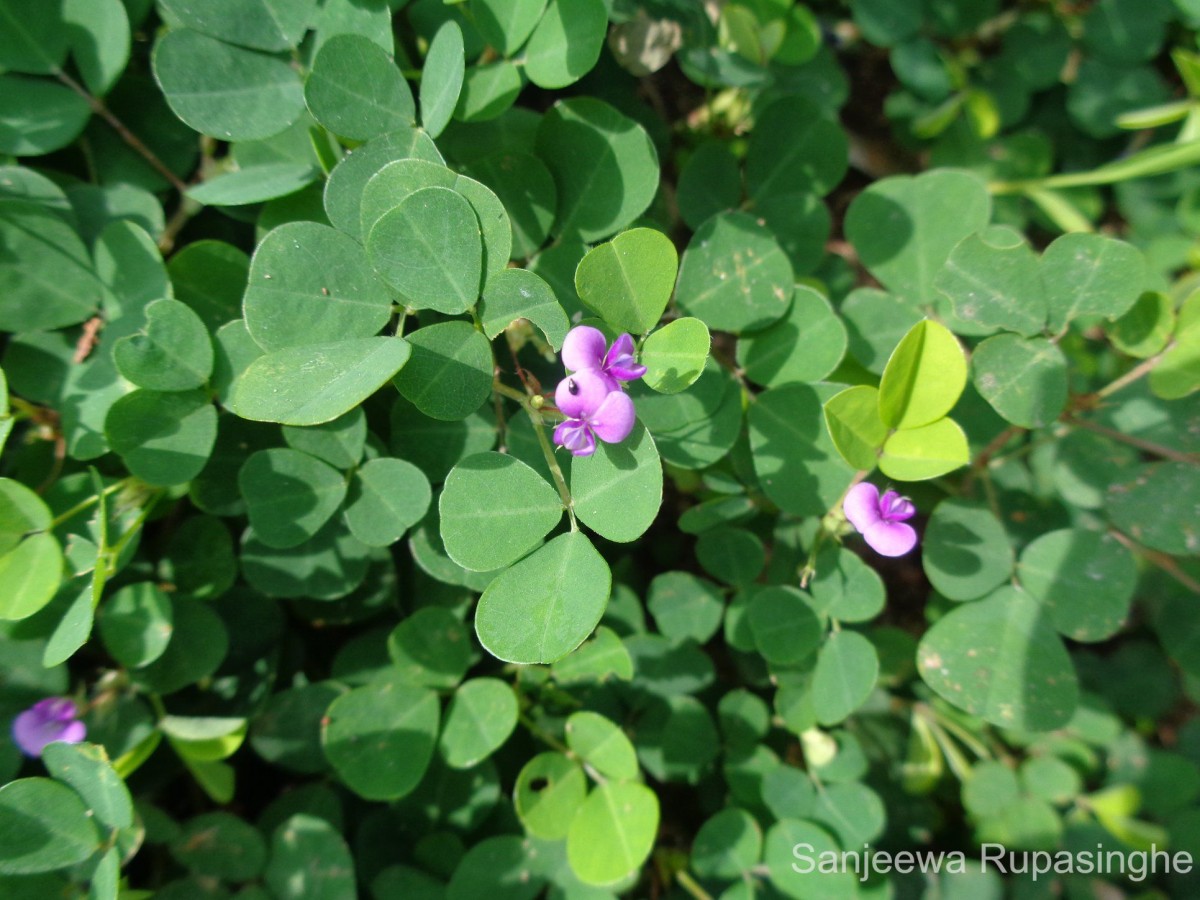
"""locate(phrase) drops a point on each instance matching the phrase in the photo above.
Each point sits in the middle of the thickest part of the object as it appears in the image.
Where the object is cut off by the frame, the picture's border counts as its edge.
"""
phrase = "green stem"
(86, 504)
(689, 884)
(1147, 446)
(1142, 368)
(539, 429)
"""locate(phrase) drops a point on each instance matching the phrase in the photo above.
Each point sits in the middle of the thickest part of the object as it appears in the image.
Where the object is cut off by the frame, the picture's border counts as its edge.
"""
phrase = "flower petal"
(581, 394)
(576, 437)
(620, 363)
(861, 506)
(614, 419)
(890, 538)
(895, 508)
(583, 348)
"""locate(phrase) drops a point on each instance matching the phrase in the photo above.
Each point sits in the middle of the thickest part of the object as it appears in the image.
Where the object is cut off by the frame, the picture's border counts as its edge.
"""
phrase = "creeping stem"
(539, 428)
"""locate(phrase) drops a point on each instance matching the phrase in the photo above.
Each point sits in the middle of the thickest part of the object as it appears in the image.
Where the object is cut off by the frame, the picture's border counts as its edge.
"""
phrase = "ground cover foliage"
(283, 288)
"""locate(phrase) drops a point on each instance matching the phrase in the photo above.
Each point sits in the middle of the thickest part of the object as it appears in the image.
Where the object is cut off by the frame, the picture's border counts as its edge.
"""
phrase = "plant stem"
(99, 108)
(1142, 368)
(688, 883)
(539, 429)
(86, 504)
(1147, 446)
(1162, 560)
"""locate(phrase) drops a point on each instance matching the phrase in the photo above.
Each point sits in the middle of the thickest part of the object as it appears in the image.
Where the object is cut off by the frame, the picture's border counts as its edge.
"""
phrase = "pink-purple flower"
(592, 411)
(49, 720)
(592, 397)
(586, 350)
(881, 520)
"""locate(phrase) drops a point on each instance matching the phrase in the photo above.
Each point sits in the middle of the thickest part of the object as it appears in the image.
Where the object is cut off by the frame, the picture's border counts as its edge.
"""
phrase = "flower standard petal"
(49, 720)
(861, 506)
(580, 395)
(583, 348)
(614, 419)
(890, 538)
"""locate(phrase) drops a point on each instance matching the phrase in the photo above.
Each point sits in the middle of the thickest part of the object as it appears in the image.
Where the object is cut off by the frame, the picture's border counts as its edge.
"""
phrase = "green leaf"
(436, 446)
(966, 552)
(309, 861)
(38, 116)
(803, 151)
(1091, 275)
(44, 826)
(289, 495)
(685, 606)
(504, 867)
(852, 418)
(846, 672)
(449, 374)
(494, 509)
(998, 658)
(875, 323)
(339, 443)
(904, 227)
(385, 499)
(732, 555)
(481, 716)
(329, 566)
(1025, 380)
(549, 791)
(429, 249)
(604, 166)
(488, 91)
(29, 576)
(727, 846)
(846, 588)
(566, 43)
(225, 91)
(917, 454)
(442, 78)
(262, 24)
(628, 280)
(1084, 579)
(430, 648)
(355, 90)
(198, 643)
(254, 184)
(163, 438)
(312, 384)
(994, 285)
(1178, 373)
(924, 377)
(344, 190)
(136, 624)
(21, 510)
(99, 37)
(47, 278)
(796, 461)
(599, 743)
(33, 38)
(380, 737)
(734, 276)
(1146, 328)
(210, 277)
(617, 491)
(597, 660)
(786, 631)
(85, 767)
(1155, 505)
(220, 845)
(506, 24)
(309, 284)
(800, 877)
(129, 263)
(675, 355)
(547, 604)
(805, 346)
(172, 352)
(612, 833)
(512, 294)
(525, 186)
(709, 183)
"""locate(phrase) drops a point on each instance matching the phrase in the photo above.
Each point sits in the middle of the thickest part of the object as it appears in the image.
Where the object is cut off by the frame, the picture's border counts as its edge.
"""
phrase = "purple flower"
(592, 411)
(585, 350)
(49, 720)
(880, 520)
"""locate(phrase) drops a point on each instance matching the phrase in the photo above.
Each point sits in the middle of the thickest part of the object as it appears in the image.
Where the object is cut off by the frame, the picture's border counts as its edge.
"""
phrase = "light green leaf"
(675, 355)
(313, 384)
(512, 294)
(29, 576)
(506, 24)
(479, 720)
(924, 377)
(846, 672)
(494, 509)
(99, 37)
(628, 281)
(549, 791)
(254, 184)
(601, 744)
(1091, 275)
(547, 604)
(1025, 380)
(566, 43)
(852, 418)
(917, 454)
(612, 833)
